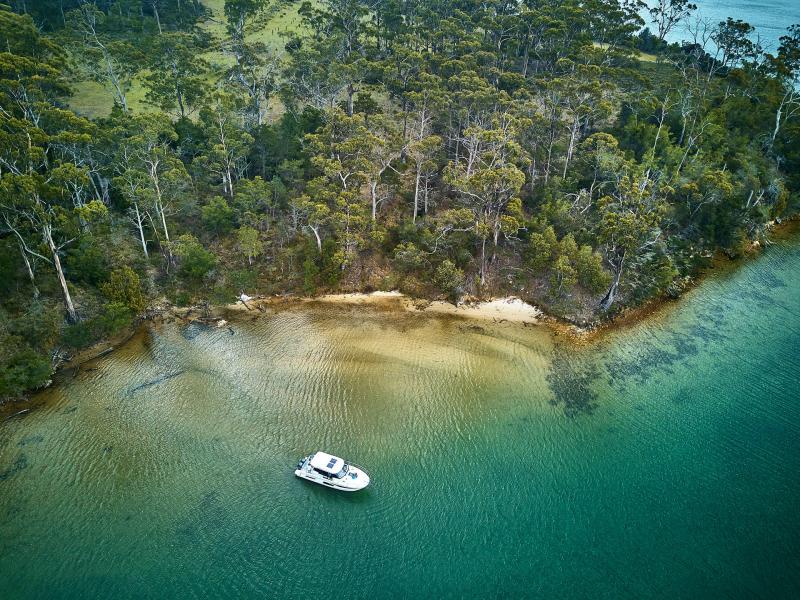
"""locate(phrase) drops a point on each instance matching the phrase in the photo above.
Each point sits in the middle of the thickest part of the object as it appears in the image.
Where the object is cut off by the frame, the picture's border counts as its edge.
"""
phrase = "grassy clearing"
(641, 56)
(94, 100)
(283, 21)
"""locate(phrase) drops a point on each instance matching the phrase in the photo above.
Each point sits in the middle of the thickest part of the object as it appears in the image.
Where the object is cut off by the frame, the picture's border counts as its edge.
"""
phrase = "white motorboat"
(332, 471)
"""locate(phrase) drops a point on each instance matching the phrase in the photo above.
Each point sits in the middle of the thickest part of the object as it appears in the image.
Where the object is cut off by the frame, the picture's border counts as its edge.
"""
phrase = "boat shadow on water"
(317, 493)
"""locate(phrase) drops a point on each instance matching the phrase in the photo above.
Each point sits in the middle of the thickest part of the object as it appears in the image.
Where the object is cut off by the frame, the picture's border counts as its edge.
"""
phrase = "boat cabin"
(329, 465)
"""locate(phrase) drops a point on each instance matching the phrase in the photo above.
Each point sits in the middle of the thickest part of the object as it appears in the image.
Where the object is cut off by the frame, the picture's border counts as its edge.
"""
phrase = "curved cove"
(661, 461)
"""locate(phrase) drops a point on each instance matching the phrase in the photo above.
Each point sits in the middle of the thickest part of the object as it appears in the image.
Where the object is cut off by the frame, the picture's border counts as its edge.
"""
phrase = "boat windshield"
(343, 472)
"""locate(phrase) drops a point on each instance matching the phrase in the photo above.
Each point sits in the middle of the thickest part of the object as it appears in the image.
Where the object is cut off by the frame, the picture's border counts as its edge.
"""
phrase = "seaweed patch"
(19, 464)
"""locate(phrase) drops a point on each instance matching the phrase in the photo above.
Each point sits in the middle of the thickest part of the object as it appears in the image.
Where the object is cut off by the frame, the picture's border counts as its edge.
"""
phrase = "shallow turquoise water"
(769, 17)
(661, 462)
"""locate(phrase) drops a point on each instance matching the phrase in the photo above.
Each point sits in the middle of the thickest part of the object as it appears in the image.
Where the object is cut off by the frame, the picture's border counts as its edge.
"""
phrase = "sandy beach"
(509, 309)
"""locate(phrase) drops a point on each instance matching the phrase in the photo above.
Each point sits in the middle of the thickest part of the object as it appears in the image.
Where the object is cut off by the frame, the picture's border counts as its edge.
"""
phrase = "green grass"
(94, 100)
(641, 56)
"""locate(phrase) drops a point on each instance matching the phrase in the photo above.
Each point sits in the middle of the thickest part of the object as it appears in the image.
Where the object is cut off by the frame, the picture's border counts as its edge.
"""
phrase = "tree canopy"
(442, 148)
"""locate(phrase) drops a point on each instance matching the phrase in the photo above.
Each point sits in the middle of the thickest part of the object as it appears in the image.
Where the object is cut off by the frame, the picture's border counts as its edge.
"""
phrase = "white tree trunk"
(570, 149)
(48, 237)
(163, 219)
(373, 191)
(611, 294)
(140, 227)
(483, 262)
(416, 192)
(777, 122)
(315, 229)
(29, 269)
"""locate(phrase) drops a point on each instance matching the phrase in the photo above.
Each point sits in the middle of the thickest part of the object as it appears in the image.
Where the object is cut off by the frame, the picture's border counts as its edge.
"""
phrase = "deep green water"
(660, 462)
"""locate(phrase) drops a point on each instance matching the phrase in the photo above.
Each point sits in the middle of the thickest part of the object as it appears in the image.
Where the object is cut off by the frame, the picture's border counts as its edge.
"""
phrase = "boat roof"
(327, 462)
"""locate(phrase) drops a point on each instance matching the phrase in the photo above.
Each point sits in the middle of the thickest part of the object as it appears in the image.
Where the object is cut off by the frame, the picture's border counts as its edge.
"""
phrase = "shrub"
(541, 247)
(591, 274)
(39, 326)
(117, 316)
(196, 261)
(123, 287)
(21, 368)
(408, 257)
(80, 335)
(564, 274)
(217, 215)
(330, 264)
(310, 275)
(249, 243)
(449, 278)
(86, 262)
(244, 279)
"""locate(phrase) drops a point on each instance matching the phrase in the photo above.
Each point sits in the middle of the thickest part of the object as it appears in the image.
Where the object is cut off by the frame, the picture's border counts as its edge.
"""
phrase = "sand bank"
(510, 309)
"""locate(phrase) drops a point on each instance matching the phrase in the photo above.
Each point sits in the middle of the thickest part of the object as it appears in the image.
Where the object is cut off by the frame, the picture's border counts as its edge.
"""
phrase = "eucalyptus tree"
(107, 59)
(343, 153)
(339, 33)
(312, 74)
(585, 100)
(385, 148)
(629, 214)
(225, 158)
(249, 242)
(311, 210)
(36, 205)
(667, 14)
(150, 172)
(29, 203)
(786, 68)
(426, 100)
(403, 72)
(178, 76)
(255, 67)
(487, 180)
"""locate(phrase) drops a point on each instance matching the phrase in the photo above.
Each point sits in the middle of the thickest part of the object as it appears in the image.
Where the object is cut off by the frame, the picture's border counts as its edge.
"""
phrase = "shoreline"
(505, 309)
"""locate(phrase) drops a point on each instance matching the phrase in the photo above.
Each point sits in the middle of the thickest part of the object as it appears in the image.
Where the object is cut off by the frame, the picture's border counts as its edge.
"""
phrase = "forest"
(182, 152)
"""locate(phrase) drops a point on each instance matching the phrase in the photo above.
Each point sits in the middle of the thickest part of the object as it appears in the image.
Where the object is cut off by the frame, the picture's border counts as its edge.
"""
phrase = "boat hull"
(356, 479)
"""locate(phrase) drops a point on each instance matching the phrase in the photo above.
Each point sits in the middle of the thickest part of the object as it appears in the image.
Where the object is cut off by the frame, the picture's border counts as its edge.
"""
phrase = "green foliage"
(176, 82)
(541, 247)
(9, 267)
(195, 261)
(591, 274)
(449, 279)
(25, 345)
(408, 257)
(249, 243)
(657, 274)
(39, 325)
(87, 262)
(123, 287)
(243, 279)
(80, 335)
(311, 273)
(406, 143)
(116, 317)
(564, 274)
(217, 215)
(21, 367)
(113, 318)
